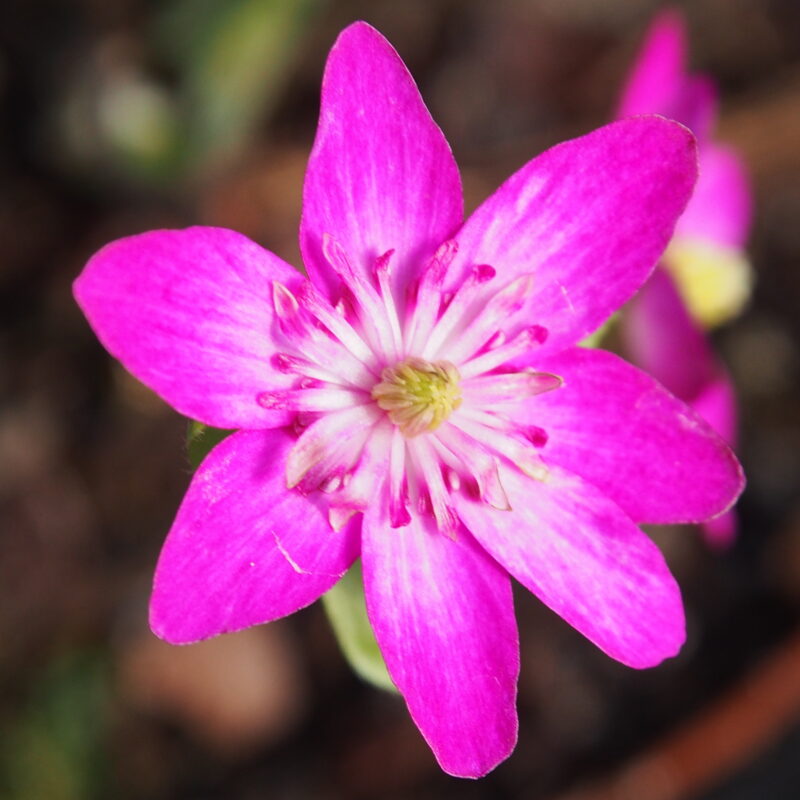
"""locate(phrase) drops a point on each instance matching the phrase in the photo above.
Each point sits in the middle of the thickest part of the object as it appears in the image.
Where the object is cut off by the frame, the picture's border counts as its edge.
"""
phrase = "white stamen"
(521, 344)
(495, 314)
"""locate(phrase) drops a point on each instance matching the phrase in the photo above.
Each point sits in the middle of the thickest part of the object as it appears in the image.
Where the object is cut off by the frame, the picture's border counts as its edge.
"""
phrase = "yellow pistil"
(715, 281)
(418, 395)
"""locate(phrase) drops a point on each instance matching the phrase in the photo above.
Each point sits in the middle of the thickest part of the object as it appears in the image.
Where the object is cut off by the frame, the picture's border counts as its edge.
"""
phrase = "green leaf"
(347, 612)
(200, 440)
(56, 747)
(234, 58)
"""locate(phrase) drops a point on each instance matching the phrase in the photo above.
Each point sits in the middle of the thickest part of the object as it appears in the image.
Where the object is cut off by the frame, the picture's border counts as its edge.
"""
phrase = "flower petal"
(443, 615)
(381, 175)
(659, 82)
(697, 107)
(188, 313)
(585, 559)
(243, 549)
(623, 432)
(716, 404)
(720, 532)
(657, 79)
(660, 337)
(588, 218)
(721, 206)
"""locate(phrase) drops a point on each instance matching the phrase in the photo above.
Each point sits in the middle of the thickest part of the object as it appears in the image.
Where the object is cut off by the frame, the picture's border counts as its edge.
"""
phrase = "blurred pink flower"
(704, 278)
(399, 404)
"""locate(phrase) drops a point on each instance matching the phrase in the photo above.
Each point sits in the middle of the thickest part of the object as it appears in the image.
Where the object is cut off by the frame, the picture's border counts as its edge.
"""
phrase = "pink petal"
(243, 549)
(588, 218)
(721, 208)
(716, 404)
(660, 84)
(720, 533)
(623, 432)
(381, 175)
(443, 615)
(657, 79)
(585, 559)
(697, 107)
(660, 337)
(188, 312)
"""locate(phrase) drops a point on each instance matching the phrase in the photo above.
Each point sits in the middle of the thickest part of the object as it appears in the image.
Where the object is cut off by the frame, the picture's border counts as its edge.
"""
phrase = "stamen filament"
(481, 464)
(521, 344)
(508, 387)
(370, 305)
(429, 297)
(454, 312)
(521, 454)
(295, 365)
(398, 490)
(383, 274)
(318, 307)
(496, 314)
(428, 465)
(324, 399)
(313, 344)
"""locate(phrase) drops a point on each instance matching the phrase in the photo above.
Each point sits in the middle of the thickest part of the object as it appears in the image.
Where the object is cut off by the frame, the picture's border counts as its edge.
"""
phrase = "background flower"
(706, 256)
(705, 276)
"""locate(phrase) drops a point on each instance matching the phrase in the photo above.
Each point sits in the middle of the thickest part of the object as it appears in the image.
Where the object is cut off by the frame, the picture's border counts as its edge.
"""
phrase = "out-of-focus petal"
(720, 208)
(660, 337)
(188, 313)
(443, 615)
(659, 83)
(720, 532)
(243, 549)
(657, 79)
(381, 175)
(585, 559)
(716, 403)
(623, 432)
(588, 219)
(696, 107)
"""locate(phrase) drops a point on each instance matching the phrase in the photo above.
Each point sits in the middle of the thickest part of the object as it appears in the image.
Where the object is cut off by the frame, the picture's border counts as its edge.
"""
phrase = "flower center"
(418, 395)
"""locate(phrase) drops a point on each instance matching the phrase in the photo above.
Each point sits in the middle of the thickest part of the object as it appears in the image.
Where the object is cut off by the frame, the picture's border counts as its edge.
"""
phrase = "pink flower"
(420, 401)
(704, 273)
(719, 211)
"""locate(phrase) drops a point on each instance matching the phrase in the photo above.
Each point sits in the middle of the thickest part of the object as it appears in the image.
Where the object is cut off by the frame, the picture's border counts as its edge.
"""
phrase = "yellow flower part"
(418, 395)
(715, 281)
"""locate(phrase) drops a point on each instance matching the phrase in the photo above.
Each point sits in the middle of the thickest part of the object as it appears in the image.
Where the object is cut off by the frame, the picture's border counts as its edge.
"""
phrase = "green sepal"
(201, 440)
(347, 612)
(596, 339)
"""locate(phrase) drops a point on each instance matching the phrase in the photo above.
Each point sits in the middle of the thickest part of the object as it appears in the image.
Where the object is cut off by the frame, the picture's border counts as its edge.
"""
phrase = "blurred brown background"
(124, 115)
